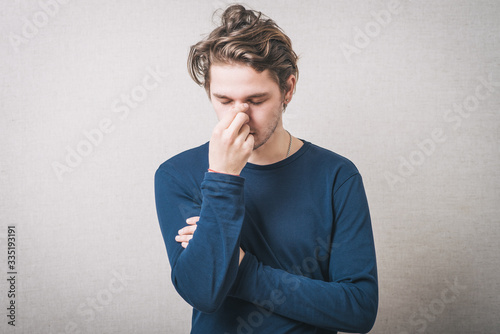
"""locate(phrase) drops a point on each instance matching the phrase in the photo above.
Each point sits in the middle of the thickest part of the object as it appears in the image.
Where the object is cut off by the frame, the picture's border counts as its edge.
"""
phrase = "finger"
(193, 220)
(187, 230)
(249, 143)
(183, 238)
(239, 120)
(226, 120)
(242, 136)
(244, 131)
(184, 244)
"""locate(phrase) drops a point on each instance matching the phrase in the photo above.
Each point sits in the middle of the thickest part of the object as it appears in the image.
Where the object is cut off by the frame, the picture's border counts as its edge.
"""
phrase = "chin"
(260, 140)
(258, 143)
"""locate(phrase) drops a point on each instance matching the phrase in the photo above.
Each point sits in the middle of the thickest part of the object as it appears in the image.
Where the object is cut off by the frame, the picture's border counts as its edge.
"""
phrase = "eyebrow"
(253, 96)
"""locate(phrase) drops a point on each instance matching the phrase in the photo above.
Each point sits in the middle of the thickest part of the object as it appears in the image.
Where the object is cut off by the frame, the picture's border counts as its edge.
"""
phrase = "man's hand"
(231, 144)
(186, 234)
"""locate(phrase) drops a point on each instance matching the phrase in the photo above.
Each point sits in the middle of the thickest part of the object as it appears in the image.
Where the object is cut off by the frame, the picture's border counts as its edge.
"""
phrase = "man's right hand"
(231, 144)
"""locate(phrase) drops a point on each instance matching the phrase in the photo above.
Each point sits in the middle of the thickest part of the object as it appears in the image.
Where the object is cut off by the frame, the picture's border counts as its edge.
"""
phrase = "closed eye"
(255, 103)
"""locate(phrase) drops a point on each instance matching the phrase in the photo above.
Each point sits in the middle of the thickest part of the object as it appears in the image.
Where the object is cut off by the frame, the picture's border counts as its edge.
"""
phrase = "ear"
(290, 83)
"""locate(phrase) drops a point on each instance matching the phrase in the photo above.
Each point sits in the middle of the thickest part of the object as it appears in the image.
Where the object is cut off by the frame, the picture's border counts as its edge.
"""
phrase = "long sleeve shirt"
(304, 224)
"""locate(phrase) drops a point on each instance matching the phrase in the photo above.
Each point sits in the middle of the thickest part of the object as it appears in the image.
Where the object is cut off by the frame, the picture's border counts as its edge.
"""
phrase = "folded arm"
(204, 272)
(347, 301)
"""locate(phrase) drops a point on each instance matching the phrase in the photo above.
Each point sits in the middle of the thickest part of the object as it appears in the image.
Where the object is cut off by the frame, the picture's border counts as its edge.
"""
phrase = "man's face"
(235, 84)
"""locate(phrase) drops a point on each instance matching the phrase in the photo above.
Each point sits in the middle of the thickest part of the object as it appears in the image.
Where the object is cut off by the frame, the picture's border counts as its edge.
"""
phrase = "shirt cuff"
(227, 178)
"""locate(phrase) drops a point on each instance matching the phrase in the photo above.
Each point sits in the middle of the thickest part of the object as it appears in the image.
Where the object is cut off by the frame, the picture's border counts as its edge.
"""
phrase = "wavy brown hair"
(248, 37)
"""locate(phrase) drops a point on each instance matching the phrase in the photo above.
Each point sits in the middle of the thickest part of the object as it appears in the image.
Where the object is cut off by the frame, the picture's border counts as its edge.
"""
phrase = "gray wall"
(412, 98)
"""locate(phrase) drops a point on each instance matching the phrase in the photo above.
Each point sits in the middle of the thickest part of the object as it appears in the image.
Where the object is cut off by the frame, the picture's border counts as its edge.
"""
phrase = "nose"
(244, 107)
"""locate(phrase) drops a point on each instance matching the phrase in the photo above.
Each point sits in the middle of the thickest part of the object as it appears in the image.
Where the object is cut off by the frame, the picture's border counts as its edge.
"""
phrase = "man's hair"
(246, 37)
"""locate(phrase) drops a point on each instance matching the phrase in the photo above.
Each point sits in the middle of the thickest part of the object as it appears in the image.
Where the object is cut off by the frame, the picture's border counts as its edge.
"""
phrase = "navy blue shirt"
(304, 224)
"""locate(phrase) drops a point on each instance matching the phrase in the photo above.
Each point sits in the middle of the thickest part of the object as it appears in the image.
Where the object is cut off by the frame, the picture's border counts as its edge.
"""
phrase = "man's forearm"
(336, 306)
(204, 272)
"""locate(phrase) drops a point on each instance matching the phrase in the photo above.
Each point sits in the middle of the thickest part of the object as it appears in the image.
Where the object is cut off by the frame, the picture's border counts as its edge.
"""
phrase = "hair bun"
(236, 17)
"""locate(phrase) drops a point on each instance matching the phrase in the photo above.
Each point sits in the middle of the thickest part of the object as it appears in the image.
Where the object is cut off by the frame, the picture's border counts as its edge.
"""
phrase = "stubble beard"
(267, 134)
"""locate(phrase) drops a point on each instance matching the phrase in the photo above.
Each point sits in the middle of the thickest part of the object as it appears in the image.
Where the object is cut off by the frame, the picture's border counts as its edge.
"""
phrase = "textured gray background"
(436, 225)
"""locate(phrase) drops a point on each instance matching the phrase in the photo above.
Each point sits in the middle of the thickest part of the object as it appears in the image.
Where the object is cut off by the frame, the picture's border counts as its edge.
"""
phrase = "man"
(265, 233)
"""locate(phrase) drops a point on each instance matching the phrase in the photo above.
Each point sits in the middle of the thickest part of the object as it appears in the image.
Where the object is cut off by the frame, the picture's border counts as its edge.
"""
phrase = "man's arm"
(204, 273)
(348, 301)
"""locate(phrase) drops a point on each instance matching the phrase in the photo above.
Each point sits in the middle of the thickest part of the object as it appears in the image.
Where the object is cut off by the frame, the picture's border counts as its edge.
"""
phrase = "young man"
(265, 233)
